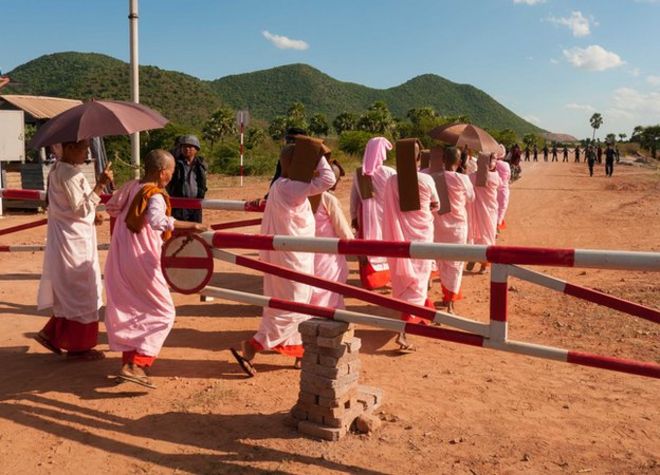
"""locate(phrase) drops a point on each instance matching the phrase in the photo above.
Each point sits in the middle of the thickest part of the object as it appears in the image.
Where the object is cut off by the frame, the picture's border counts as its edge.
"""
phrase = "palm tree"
(596, 121)
(219, 125)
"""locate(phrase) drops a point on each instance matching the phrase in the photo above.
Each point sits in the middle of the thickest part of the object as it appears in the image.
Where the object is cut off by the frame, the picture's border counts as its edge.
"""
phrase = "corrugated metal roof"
(41, 107)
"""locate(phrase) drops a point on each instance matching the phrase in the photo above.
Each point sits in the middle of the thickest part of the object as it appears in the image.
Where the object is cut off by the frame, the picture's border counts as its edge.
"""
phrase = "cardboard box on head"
(483, 164)
(365, 185)
(437, 172)
(407, 152)
(306, 155)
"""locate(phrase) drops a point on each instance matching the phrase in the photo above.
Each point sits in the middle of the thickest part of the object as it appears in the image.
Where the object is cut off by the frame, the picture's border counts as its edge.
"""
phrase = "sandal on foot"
(86, 355)
(245, 365)
(45, 342)
(129, 376)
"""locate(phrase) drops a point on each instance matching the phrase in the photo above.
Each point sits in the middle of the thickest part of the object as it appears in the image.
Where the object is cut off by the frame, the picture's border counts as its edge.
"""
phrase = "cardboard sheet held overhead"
(365, 185)
(306, 155)
(440, 180)
(483, 161)
(406, 167)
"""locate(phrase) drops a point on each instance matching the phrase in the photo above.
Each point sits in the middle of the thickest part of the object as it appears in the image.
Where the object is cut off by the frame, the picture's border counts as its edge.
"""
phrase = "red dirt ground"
(448, 408)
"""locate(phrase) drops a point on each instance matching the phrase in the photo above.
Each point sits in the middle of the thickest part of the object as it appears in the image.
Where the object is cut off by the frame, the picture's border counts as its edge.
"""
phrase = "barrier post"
(499, 275)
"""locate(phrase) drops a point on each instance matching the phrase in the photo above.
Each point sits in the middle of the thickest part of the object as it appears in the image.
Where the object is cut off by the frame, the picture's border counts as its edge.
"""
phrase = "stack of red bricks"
(330, 398)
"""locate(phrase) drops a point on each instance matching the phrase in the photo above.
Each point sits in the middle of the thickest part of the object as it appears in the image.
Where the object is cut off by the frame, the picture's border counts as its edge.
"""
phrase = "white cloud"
(615, 113)
(653, 80)
(634, 101)
(577, 23)
(529, 2)
(282, 42)
(579, 107)
(635, 72)
(592, 58)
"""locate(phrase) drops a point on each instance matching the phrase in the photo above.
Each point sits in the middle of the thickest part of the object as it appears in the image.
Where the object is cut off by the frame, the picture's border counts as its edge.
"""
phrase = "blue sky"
(554, 62)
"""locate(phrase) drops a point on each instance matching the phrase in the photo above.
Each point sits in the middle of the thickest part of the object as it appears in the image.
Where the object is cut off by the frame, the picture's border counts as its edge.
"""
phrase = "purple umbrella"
(97, 119)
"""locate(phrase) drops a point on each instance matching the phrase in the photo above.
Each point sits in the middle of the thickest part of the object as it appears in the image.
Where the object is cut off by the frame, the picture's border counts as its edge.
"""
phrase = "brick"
(329, 371)
(307, 398)
(331, 329)
(351, 346)
(334, 361)
(320, 432)
(350, 397)
(308, 339)
(331, 412)
(323, 383)
(309, 359)
(334, 391)
(299, 413)
(370, 397)
(336, 341)
(315, 418)
(310, 327)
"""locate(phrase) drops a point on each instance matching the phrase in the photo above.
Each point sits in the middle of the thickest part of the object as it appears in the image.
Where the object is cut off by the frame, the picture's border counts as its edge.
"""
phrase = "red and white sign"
(187, 263)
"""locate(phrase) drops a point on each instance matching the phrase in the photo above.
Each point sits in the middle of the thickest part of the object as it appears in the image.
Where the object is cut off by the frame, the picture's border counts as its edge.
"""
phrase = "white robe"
(330, 222)
(71, 277)
(289, 213)
(369, 212)
(410, 277)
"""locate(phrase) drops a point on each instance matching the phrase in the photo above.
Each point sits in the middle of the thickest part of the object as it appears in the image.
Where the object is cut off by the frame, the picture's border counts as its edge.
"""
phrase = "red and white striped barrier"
(39, 247)
(435, 316)
(584, 293)
(585, 359)
(30, 195)
(647, 261)
(21, 227)
(236, 224)
(191, 203)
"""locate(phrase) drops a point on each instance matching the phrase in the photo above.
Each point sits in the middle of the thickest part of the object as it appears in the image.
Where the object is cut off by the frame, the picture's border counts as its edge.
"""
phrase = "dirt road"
(448, 408)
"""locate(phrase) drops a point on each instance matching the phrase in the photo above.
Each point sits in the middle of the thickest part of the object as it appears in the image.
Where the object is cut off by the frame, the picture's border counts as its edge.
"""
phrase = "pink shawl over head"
(375, 154)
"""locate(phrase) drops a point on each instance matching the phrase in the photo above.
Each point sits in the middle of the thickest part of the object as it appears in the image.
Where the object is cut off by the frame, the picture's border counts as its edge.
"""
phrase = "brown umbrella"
(459, 135)
(97, 119)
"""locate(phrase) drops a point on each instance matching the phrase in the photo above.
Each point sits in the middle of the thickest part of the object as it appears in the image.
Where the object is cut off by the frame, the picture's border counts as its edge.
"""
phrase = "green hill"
(180, 97)
(189, 101)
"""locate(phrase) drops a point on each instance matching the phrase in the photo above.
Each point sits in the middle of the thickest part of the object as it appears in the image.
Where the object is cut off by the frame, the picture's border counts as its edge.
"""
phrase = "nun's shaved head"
(157, 160)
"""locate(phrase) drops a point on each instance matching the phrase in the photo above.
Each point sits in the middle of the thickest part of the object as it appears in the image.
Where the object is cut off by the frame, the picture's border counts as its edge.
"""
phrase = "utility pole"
(135, 80)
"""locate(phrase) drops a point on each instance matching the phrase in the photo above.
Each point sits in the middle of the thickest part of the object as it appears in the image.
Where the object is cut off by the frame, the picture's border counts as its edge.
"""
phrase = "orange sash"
(138, 208)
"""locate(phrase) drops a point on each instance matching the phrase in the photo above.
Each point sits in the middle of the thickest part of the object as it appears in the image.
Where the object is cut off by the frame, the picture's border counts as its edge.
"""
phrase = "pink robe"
(330, 222)
(452, 228)
(140, 311)
(504, 171)
(410, 277)
(369, 212)
(482, 214)
(289, 213)
(71, 277)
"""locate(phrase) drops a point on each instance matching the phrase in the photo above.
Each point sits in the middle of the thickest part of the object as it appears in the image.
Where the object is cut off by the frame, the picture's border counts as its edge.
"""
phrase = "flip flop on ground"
(135, 375)
(245, 365)
(45, 342)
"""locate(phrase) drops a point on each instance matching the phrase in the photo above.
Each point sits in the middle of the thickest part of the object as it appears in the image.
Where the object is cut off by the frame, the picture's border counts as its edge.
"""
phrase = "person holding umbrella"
(71, 278)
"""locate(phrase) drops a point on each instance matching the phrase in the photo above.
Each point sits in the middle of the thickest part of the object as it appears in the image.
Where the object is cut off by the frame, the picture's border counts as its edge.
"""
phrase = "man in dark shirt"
(610, 155)
(577, 154)
(590, 156)
(565, 151)
(545, 153)
(536, 153)
(554, 153)
(189, 178)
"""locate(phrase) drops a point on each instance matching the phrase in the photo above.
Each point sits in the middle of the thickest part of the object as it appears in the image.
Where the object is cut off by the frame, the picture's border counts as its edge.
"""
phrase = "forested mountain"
(190, 101)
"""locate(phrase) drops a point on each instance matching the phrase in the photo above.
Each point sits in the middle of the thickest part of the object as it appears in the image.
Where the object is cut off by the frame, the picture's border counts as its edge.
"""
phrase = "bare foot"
(450, 307)
(298, 363)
